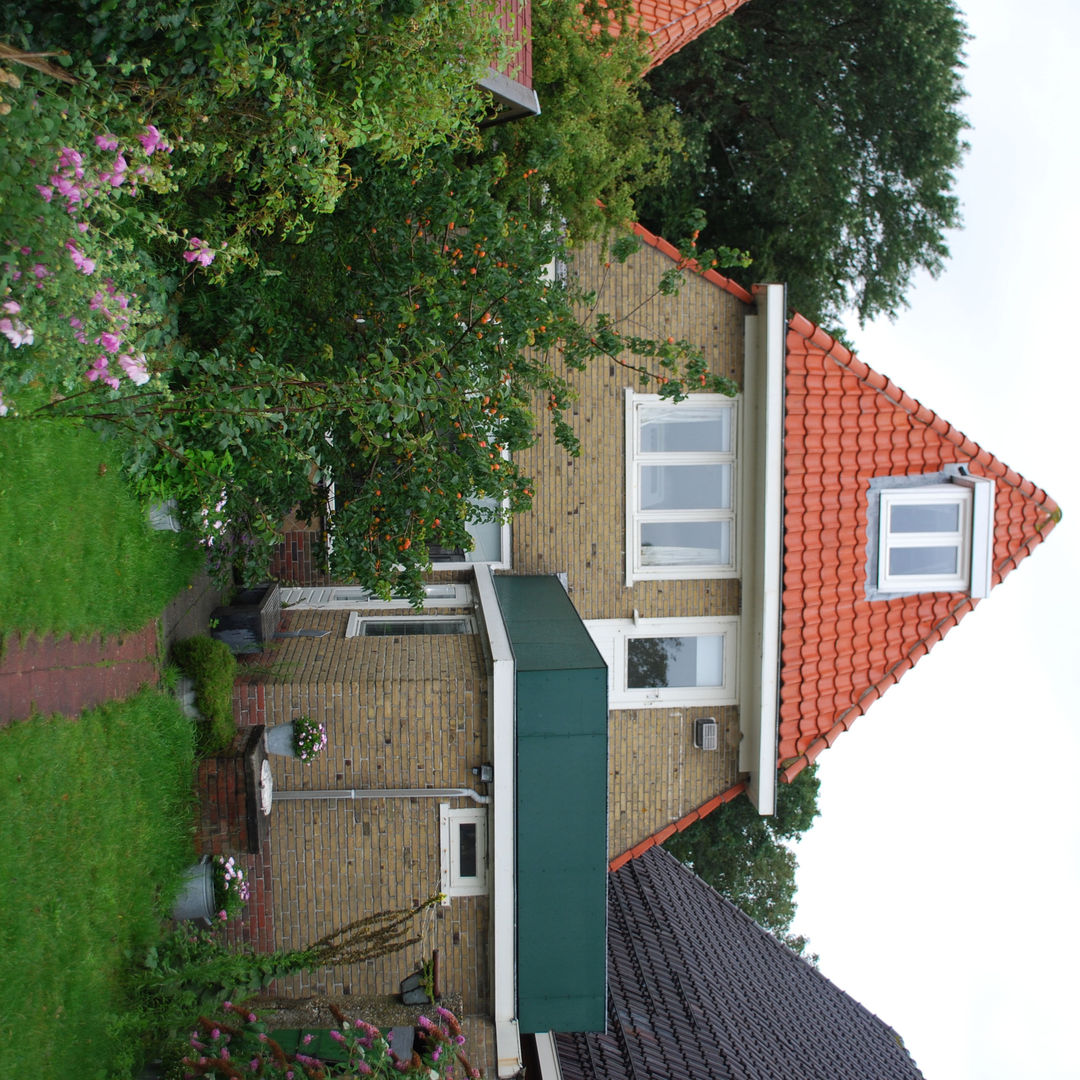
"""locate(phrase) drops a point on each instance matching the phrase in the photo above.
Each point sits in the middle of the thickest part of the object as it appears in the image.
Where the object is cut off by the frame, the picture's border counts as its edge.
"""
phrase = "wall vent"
(705, 734)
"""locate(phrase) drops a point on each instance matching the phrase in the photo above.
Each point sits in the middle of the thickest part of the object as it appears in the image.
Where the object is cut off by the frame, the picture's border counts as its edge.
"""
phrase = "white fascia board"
(982, 533)
(548, 1056)
(763, 528)
(502, 874)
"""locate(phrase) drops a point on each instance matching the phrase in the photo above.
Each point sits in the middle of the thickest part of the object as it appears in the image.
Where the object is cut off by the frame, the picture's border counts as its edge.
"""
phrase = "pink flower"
(153, 140)
(16, 331)
(109, 342)
(45, 192)
(11, 307)
(3, 407)
(40, 270)
(86, 265)
(199, 251)
(106, 141)
(135, 369)
(71, 158)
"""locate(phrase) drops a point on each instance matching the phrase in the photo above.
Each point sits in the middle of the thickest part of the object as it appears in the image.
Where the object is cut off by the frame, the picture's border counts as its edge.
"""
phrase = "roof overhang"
(503, 878)
(762, 542)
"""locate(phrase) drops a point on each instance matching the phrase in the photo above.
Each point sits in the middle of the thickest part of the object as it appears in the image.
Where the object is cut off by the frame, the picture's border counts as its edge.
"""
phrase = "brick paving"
(60, 675)
(64, 675)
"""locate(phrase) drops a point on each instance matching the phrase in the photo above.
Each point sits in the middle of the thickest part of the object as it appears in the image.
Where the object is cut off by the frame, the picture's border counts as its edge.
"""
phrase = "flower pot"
(196, 898)
(279, 740)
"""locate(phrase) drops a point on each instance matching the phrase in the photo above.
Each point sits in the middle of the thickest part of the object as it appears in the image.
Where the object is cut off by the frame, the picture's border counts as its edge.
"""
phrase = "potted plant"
(212, 887)
(231, 888)
(303, 738)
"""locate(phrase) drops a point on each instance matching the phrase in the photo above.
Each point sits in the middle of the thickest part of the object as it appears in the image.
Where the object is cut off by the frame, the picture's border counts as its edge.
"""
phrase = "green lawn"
(97, 819)
(78, 554)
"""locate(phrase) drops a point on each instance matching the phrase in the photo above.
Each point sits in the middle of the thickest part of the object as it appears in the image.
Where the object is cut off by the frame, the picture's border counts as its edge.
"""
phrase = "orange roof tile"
(672, 252)
(671, 24)
(845, 423)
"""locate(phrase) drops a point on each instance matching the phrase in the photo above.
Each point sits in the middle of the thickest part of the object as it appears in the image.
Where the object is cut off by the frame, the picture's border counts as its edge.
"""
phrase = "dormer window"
(933, 534)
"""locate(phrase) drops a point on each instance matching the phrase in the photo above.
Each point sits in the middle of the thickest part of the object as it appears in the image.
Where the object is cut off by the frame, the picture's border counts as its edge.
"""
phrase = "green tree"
(823, 138)
(745, 856)
(594, 144)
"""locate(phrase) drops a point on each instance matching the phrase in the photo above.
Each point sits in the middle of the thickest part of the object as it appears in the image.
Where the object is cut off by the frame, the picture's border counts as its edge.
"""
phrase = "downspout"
(385, 793)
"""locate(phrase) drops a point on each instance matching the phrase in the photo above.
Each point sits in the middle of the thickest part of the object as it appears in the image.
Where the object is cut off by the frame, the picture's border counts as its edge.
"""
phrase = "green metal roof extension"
(561, 706)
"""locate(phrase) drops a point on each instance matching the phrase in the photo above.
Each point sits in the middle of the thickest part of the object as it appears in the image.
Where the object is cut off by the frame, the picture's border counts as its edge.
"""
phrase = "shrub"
(212, 667)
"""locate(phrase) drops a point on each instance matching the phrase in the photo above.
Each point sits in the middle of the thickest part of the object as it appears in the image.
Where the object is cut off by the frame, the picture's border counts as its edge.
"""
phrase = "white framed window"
(681, 487)
(407, 625)
(935, 537)
(660, 663)
(463, 851)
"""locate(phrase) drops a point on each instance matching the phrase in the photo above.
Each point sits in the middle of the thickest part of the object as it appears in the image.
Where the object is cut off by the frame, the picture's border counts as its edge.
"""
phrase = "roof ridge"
(673, 253)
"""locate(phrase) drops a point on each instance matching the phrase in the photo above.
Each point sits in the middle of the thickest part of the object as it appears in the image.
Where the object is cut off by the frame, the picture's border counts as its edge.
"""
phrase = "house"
(697, 989)
(694, 609)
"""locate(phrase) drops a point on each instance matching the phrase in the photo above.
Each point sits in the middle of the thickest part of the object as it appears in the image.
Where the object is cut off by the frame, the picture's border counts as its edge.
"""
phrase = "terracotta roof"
(671, 24)
(698, 991)
(844, 424)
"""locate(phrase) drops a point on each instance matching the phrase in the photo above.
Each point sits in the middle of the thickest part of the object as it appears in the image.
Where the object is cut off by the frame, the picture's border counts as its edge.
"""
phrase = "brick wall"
(408, 712)
(577, 526)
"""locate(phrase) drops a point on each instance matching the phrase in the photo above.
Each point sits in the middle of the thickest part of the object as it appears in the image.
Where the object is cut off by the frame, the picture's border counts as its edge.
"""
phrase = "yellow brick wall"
(577, 526)
(408, 712)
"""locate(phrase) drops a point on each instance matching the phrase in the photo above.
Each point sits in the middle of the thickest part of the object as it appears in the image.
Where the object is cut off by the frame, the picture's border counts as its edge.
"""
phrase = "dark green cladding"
(561, 808)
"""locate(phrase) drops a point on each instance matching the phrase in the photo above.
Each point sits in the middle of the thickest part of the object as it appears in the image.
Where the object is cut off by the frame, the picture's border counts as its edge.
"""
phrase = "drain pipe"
(386, 793)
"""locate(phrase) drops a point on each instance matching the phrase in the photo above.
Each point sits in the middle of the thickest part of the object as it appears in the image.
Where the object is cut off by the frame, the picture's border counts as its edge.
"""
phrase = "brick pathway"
(60, 675)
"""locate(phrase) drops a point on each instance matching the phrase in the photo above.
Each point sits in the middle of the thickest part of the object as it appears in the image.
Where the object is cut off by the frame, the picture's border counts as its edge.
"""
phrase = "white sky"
(942, 881)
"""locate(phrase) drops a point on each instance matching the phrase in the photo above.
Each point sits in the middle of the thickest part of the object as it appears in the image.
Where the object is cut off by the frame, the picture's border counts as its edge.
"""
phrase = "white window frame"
(450, 821)
(613, 636)
(345, 597)
(973, 539)
(636, 459)
(357, 622)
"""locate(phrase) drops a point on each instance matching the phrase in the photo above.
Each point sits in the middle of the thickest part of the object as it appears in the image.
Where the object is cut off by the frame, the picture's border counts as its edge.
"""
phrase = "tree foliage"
(594, 143)
(745, 856)
(824, 139)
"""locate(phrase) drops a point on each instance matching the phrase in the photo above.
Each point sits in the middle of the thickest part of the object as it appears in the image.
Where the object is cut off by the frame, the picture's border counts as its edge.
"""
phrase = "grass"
(97, 817)
(79, 555)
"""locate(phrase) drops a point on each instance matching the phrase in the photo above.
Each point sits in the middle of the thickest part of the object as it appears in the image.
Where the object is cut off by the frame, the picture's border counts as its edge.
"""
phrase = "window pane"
(467, 850)
(686, 543)
(924, 560)
(686, 487)
(924, 517)
(685, 429)
(675, 661)
(409, 626)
